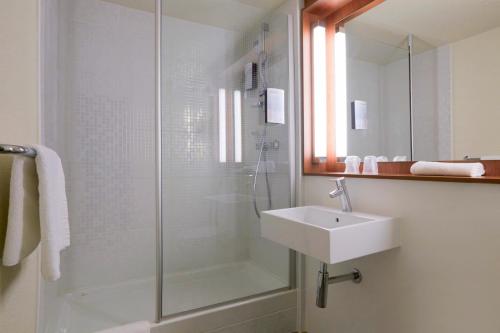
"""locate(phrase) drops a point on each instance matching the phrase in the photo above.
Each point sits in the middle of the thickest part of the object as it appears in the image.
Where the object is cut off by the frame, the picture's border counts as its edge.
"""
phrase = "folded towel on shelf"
(54, 224)
(138, 327)
(22, 234)
(447, 169)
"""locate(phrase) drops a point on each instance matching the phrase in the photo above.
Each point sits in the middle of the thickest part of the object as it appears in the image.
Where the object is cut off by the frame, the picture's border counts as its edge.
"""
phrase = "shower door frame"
(292, 278)
(158, 166)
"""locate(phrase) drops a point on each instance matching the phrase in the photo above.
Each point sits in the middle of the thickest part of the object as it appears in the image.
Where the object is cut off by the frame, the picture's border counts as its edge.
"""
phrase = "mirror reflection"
(422, 81)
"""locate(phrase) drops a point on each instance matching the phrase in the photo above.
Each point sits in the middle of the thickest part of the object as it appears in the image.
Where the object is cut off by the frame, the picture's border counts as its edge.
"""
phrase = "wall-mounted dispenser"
(273, 100)
(359, 115)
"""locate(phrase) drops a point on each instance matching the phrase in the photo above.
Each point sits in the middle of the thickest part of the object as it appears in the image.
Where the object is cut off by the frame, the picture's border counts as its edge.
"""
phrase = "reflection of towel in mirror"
(447, 169)
(23, 228)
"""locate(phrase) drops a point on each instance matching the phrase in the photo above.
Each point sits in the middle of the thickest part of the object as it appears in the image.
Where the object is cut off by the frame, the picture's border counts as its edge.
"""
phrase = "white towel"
(138, 327)
(23, 227)
(447, 169)
(54, 224)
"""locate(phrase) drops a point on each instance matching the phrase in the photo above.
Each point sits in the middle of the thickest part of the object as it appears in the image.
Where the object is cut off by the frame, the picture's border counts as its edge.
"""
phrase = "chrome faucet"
(341, 191)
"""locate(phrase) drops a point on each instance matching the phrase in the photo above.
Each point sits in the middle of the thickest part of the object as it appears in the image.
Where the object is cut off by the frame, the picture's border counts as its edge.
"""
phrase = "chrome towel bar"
(19, 150)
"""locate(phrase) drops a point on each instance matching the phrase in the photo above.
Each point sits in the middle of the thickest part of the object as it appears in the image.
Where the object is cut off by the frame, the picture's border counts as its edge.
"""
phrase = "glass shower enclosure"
(168, 163)
(212, 132)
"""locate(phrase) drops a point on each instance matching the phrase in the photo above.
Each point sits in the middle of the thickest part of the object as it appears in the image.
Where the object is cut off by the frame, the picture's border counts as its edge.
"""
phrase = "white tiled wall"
(201, 209)
(209, 212)
(101, 124)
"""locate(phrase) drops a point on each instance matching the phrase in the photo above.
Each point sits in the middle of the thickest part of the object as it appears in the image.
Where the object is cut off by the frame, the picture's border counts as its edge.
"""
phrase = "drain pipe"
(324, 280)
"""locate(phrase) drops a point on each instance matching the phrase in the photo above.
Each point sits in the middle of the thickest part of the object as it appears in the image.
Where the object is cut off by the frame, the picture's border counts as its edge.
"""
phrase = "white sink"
(330, 235)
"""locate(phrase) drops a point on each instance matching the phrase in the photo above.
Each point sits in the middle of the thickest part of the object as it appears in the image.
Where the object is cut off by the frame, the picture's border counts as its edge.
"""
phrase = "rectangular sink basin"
(330, 235)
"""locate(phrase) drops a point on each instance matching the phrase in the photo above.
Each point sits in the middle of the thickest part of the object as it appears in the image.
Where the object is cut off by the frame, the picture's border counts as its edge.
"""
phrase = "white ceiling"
(236, 15)
(266, 4)
(437, 22)
(432, 22)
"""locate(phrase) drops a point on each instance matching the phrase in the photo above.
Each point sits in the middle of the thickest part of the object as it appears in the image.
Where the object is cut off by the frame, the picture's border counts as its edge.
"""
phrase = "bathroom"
(250, 166)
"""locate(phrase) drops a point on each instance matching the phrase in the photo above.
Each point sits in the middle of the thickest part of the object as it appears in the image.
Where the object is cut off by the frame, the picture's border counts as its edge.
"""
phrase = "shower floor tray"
(87, 311)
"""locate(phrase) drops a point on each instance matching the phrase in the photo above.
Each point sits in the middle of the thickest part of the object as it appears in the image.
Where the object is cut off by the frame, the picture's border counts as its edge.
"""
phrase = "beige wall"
(476, 86)
(18, 124)
(444, 278)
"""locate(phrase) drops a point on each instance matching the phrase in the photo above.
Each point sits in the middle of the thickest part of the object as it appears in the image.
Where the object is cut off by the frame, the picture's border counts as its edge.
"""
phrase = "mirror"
(423, 80)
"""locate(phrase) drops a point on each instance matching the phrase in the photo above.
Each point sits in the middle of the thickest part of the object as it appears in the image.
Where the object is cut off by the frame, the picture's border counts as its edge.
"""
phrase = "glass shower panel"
(98, 114)
(213, 132)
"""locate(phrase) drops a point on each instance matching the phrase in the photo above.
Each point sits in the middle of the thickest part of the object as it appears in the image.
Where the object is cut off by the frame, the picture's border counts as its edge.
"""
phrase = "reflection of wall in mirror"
(456, 112)
(385, 88)
(432, 104)
(476, 89)
(363, 84)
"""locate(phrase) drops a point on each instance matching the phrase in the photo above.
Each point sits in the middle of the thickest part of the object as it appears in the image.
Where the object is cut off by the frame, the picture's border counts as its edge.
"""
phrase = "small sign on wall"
(359, 115)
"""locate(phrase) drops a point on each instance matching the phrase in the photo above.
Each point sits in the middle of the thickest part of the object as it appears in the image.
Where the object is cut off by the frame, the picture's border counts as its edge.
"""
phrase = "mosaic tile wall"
(209, 218)
(103, 131)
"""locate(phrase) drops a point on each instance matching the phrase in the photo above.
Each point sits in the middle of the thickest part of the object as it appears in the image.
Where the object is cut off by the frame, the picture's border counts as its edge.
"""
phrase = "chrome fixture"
(341, 191)
(158, 164)
(470, 158)
(18, 150)
(412, 106)
(324, 280)
(262, 72)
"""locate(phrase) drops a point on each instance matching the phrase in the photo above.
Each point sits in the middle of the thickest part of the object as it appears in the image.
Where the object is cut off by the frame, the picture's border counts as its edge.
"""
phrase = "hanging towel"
(138, 327)
(54, 224)
(23, 227)
(447, 169)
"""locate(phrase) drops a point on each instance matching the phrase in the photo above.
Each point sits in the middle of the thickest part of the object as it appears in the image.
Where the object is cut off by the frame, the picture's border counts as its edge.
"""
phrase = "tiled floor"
(90, 310)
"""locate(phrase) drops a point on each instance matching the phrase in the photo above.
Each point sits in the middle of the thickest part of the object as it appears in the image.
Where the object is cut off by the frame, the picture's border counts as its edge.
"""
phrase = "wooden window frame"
(334, 14)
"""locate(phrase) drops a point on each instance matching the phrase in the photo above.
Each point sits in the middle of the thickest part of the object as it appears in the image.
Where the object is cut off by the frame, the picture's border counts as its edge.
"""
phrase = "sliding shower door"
(216, 58)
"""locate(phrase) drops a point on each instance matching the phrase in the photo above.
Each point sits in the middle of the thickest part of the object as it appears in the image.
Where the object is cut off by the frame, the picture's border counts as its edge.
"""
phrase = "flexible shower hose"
(268, 185)
(262, 68)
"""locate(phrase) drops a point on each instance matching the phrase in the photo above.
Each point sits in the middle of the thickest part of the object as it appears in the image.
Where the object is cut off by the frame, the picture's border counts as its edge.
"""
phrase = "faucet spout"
(341, 191)
(335, 193)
